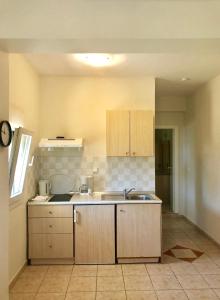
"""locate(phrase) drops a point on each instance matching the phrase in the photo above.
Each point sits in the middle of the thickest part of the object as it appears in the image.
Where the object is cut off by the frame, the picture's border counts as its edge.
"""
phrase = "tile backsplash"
(114, 173)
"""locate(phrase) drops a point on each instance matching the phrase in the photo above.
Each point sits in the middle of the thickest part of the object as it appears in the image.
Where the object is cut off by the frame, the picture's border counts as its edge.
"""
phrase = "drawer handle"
(122, 210)
(50, 212)
(51, 226)
(134, 153)
(127, 153)
(50, 246)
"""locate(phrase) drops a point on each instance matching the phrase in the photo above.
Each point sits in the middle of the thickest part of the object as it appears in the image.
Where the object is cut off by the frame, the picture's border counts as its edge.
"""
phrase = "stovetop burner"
(60, 198)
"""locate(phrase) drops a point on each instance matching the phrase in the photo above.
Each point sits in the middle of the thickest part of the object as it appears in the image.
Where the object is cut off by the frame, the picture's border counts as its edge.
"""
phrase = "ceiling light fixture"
(185, 79)
(99, 60)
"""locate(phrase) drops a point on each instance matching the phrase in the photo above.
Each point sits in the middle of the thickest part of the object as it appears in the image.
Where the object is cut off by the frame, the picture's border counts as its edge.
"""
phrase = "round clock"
(5, 134)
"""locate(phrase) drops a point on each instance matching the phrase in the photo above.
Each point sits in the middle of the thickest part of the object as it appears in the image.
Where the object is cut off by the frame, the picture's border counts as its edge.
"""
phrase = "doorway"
(164, 167)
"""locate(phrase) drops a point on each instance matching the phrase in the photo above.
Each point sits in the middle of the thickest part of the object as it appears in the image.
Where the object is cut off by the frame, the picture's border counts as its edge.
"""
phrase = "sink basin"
(112, 197)
(139, 197)
(132, 196)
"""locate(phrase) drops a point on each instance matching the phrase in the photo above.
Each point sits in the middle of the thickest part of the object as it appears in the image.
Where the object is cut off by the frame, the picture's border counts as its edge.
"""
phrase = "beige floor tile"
(213, 280)
(132, 269)
(24, 285)
(32, 275)
(26, 296)
(53, 270)
(166, 259)
(50, 296)
(82, 284)
(192, 282)
(137, 283)
(217, 291)
(80, 296)
(159, 269)
(111, 295)
(201, 294)
(115, 283)
(84, 270)
(141, 295)
(165, 282)
(207, 268)
(202, 259)
(184, 268)
(34, 272)
(109, 270)
(40, 269)
(183, 253)
(55, 284)
(171, 295)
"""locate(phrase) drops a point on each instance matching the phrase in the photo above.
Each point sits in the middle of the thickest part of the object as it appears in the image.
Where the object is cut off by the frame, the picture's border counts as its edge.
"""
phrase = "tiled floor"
(190, 270)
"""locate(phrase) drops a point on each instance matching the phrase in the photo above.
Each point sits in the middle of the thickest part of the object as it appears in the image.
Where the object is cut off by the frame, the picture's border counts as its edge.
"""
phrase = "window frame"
(13, 160)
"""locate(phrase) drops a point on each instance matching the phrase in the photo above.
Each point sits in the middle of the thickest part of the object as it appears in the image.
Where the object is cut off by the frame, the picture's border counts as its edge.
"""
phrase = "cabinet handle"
(122, 210)
(134, 153)
(127, 153)
(51, 226)
(50, 212)
(50, 246)
(75, 216)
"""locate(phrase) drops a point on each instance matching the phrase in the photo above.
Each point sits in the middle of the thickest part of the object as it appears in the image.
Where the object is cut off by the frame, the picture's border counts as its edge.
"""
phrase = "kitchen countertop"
(96, 198)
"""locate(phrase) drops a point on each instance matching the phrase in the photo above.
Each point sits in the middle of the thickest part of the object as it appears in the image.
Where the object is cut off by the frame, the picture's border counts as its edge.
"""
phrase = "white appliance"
(86, 186)
(61, 143)
(44, 187)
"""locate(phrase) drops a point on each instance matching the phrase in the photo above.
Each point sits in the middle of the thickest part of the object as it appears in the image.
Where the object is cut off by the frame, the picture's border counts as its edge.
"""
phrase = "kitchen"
(63, 166)
(103, 230)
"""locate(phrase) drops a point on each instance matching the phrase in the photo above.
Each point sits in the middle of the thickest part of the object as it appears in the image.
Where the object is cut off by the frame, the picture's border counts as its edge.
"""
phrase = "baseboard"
(15, 277)
(202, 231)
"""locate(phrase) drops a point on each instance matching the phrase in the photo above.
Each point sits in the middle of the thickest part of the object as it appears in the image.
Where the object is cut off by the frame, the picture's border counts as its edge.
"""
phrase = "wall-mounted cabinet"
(129, 133)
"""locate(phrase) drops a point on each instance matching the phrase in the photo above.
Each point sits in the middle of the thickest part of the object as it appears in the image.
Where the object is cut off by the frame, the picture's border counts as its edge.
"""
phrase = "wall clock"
(5, 133)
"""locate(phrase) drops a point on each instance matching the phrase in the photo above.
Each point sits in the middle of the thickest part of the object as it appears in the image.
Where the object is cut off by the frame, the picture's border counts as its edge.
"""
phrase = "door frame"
(175, 180)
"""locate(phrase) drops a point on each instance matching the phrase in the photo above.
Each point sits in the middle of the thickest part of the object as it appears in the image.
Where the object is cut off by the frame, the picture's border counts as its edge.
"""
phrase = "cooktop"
(60, 198)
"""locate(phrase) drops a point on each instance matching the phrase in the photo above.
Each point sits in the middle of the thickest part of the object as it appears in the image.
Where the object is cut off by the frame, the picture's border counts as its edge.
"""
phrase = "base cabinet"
(50, 233)
(94, 234)
(138, 231)
(56, 235)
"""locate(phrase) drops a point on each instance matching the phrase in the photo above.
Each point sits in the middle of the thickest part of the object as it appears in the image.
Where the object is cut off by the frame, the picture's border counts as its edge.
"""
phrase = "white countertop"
(97, 198)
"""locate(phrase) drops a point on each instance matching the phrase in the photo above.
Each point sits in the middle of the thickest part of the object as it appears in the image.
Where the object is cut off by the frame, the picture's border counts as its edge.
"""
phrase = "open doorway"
(164, 167)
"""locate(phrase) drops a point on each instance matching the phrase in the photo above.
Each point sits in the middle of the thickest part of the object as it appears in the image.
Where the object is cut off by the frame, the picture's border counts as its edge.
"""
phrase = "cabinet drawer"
(50, 211)
(50, 246)
(50, 225)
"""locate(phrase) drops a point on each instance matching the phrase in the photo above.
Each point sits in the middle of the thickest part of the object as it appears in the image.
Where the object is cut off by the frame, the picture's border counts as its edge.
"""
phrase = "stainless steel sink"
(120, 197)
(139, 197)
(112, 197)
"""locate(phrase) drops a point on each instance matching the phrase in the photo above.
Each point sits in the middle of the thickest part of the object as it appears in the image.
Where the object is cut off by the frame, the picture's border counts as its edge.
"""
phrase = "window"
(18, 160)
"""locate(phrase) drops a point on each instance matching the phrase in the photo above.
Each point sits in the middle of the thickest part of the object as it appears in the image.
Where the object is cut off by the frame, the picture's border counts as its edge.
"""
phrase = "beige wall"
(203, 157)
(23, 111)
(76, 107)
(170, 104)
(4, 181)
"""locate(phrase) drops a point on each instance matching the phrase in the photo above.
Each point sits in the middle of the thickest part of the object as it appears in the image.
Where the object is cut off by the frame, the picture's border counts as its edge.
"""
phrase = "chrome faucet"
(127, 191)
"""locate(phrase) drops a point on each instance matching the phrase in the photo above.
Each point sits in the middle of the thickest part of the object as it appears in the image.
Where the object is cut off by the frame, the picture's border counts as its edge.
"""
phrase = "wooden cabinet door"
(117, 133)
(94, 234)
(141, 133)
(138, 230)
(50, 246)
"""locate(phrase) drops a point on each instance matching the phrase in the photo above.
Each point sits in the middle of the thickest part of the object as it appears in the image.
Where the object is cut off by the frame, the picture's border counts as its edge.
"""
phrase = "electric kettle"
(44, 187)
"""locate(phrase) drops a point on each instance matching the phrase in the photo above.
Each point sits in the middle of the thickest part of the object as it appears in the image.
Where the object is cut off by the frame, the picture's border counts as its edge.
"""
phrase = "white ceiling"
(167, 68)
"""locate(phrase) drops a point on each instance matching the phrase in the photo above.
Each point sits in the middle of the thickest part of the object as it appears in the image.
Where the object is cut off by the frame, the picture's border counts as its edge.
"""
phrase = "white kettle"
(44, 187)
